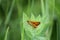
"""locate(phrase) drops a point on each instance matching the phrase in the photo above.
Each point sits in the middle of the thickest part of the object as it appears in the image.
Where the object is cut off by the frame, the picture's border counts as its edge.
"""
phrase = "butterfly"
(34, 24)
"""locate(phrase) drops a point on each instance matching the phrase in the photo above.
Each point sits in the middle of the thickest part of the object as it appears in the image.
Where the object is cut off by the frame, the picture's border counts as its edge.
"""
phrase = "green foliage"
(15, 13)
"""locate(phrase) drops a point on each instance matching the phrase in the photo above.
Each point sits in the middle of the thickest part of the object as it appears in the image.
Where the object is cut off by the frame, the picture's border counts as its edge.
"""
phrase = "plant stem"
(42, 7)
(9, 13)
(6, 33)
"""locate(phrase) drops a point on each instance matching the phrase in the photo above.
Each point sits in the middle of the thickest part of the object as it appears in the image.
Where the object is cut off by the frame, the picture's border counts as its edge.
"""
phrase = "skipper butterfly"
(34, 24)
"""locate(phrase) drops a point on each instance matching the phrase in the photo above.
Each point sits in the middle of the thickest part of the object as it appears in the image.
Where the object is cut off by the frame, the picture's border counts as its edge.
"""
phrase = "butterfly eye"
(34, 24)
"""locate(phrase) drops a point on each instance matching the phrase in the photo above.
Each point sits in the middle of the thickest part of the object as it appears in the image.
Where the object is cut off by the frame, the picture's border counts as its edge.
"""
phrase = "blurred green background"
(11, 12)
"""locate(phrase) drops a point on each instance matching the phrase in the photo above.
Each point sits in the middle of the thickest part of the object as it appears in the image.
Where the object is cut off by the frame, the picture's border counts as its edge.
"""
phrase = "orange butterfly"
(34, 24)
